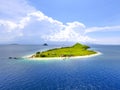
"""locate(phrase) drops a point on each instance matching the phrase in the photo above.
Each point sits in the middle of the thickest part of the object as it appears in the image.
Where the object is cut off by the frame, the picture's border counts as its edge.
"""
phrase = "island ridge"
(72, 51)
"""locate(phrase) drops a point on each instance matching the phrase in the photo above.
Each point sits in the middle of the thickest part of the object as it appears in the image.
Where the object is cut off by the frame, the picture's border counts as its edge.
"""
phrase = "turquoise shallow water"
(96, 73)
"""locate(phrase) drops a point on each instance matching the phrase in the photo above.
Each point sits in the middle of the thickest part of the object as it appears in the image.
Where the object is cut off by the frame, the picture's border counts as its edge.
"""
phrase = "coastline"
(28, 57)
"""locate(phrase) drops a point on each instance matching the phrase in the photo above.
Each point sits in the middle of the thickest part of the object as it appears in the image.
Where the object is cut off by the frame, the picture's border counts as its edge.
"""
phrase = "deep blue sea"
(95, 73)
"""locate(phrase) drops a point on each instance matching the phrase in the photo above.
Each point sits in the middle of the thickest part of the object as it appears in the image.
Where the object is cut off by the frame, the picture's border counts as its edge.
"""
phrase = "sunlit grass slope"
(75, 50)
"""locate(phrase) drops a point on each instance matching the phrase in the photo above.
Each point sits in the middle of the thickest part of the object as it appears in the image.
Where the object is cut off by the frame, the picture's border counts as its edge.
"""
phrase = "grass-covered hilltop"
(75, 50)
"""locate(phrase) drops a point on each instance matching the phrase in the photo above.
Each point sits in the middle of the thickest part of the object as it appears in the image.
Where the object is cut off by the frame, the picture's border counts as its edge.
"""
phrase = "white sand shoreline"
(28, 57)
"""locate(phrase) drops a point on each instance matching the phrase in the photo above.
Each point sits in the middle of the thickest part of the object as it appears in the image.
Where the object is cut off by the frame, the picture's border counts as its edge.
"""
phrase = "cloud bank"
(21, 22)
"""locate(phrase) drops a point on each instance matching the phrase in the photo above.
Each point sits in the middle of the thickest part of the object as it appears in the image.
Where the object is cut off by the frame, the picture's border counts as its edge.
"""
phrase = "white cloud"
(45, 28)
(41, 17)
(11, 22)
(20, 21)
(14, 9)
(108, 40)
(72, 32)
(106, 28)
(69, 36)
(9, 25)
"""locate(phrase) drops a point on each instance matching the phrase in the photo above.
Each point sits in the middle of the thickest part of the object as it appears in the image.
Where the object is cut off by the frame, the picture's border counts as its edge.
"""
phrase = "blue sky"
(39, 21)
(91, 12)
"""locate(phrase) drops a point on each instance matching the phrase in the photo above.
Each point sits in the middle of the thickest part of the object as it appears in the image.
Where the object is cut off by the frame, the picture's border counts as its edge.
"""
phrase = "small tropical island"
(77, 50)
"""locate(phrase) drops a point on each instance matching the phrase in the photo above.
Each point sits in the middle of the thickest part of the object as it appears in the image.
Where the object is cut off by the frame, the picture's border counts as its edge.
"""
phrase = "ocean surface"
(95, 73)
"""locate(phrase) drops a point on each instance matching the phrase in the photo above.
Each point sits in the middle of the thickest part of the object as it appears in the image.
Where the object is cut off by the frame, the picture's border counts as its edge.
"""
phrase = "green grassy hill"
(75, 50)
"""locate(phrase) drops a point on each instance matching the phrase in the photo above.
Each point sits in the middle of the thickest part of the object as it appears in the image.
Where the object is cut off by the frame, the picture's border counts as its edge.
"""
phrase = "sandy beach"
(28, 57)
